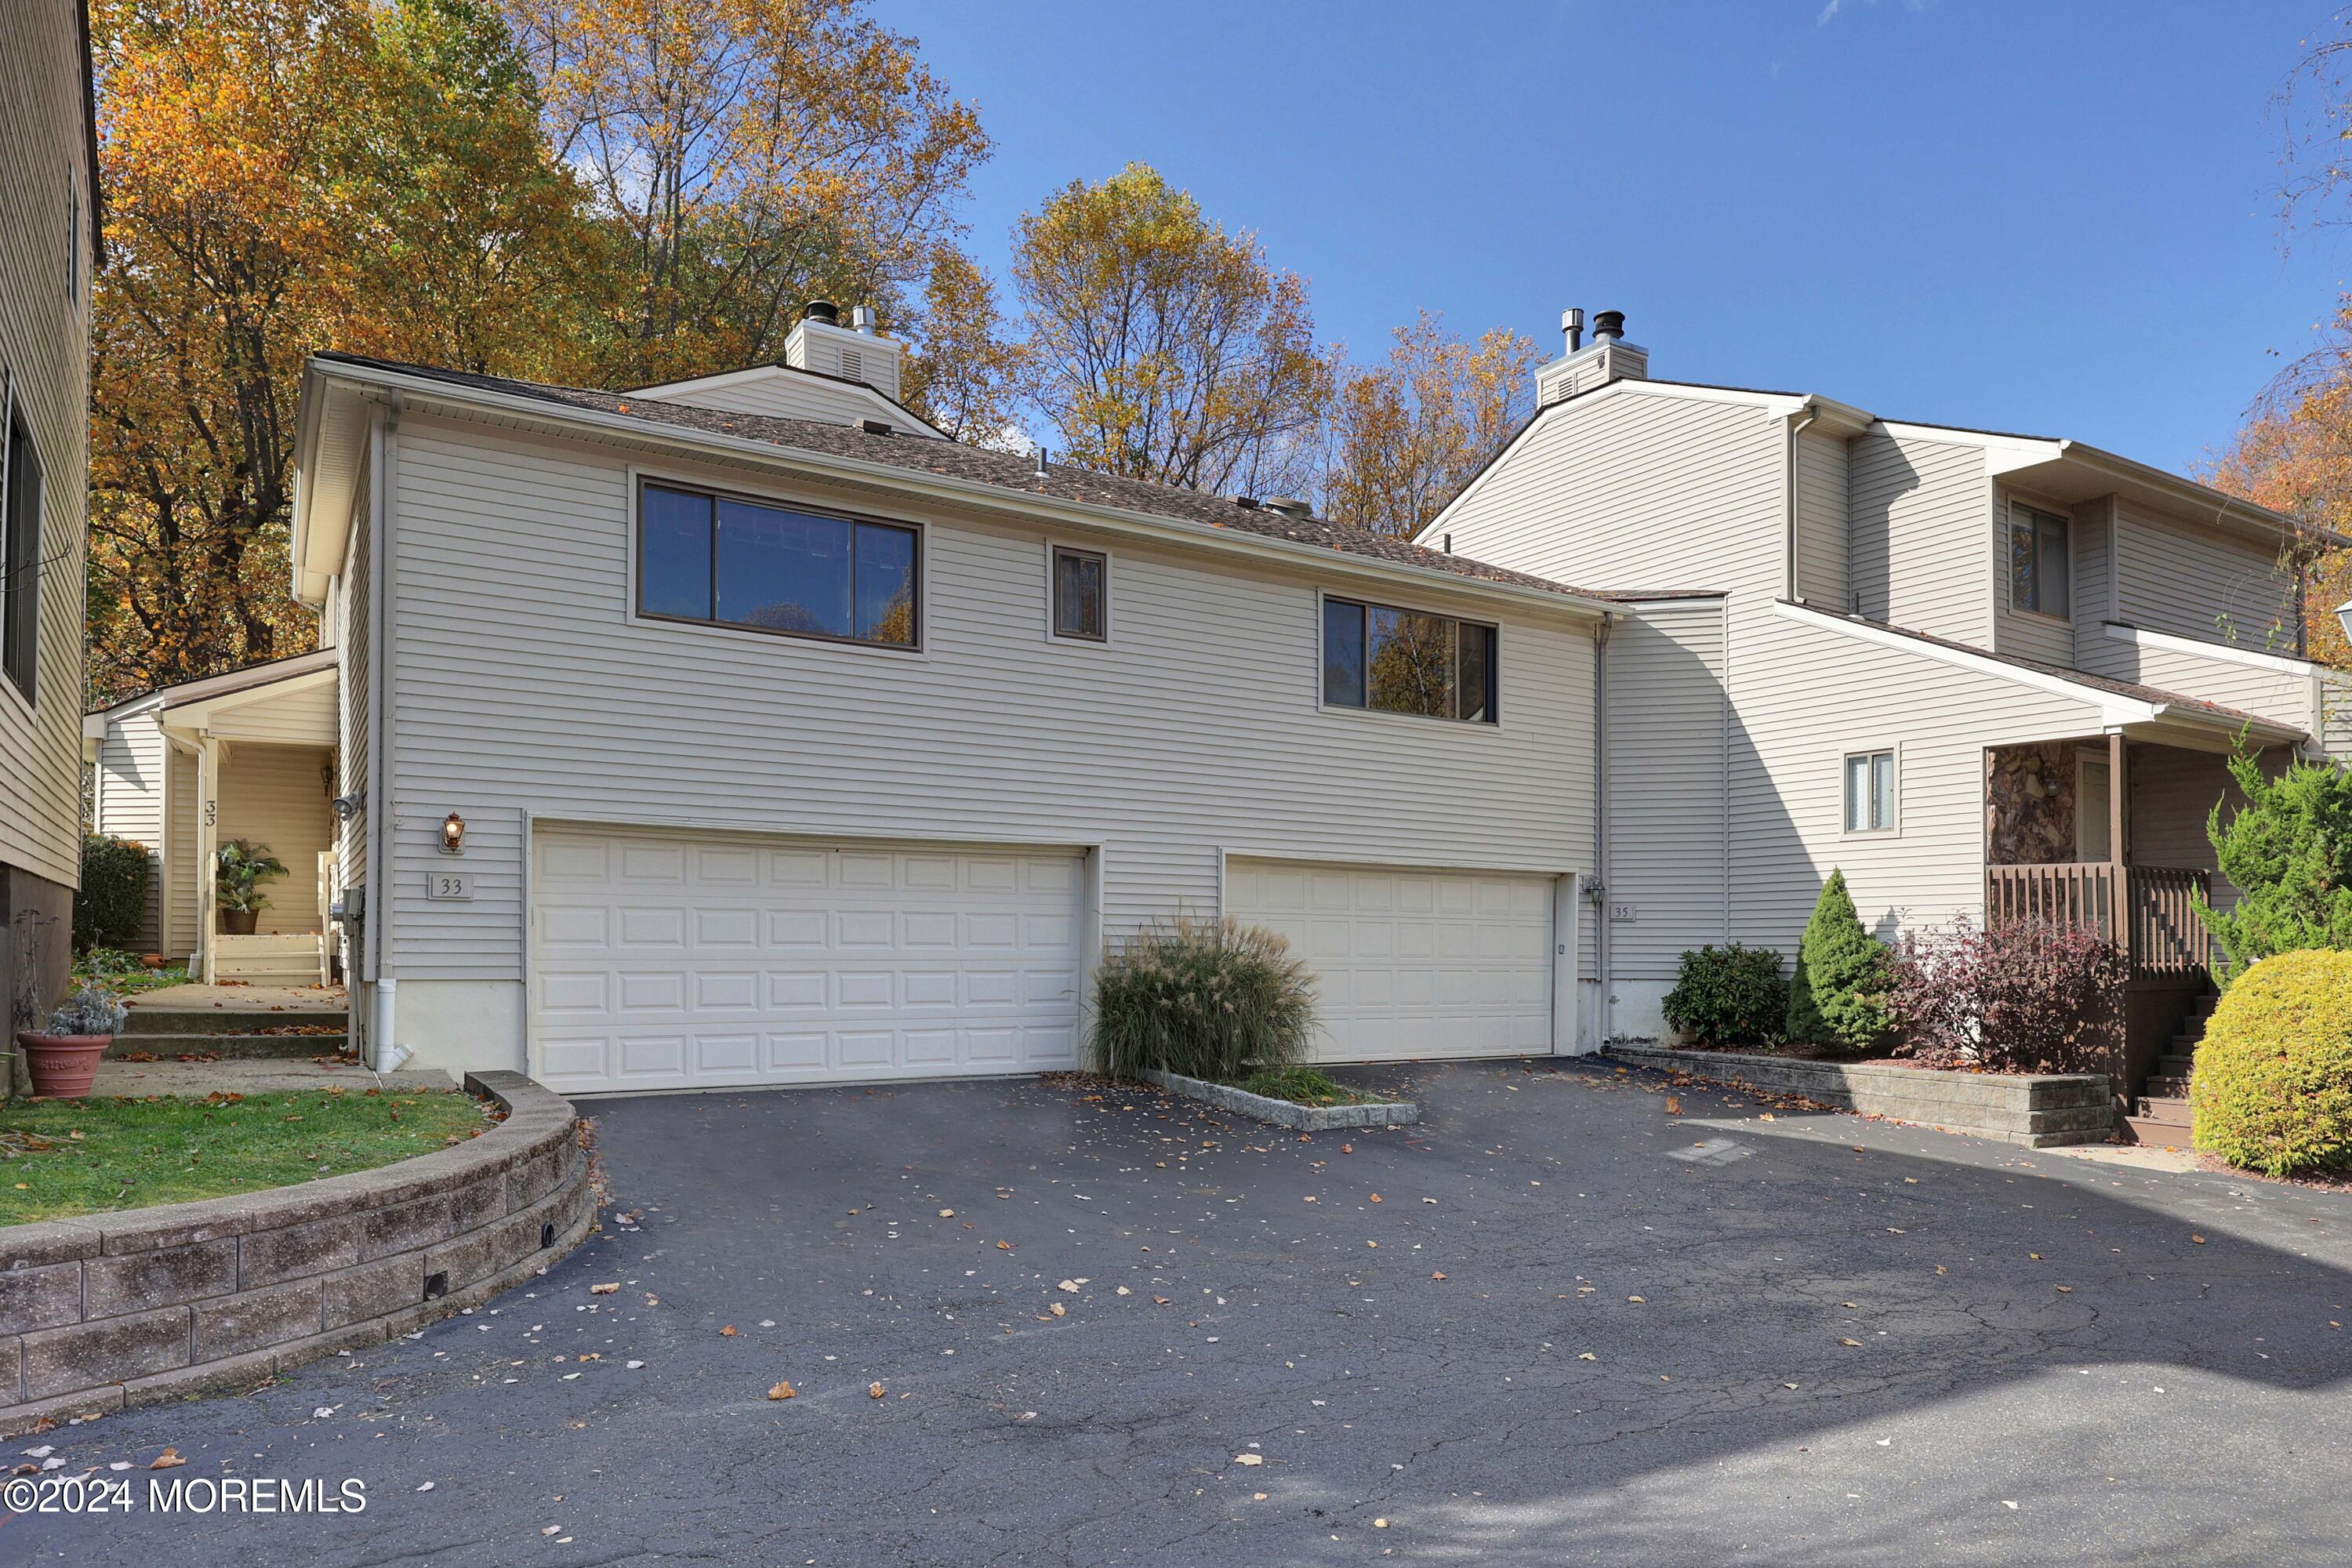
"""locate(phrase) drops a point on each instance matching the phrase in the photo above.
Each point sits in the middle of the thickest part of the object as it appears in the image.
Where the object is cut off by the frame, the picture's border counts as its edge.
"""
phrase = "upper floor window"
(20, 554)
(1081, 594)
(2037, 562)
(704, 557)
(1407, 661)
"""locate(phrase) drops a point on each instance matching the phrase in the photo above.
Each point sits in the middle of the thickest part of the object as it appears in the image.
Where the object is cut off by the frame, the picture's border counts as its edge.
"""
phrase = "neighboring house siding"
(1919, 539)
(44, 266)
(305, 717)
(130, 804)
(182, 872)
(519, 686)
(1789, 740)
(1824, 510)
(2196, 581)
(2336, 714)
(1668, 738)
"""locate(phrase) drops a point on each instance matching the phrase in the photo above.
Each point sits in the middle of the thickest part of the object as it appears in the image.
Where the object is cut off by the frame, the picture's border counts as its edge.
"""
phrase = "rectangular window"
(20, 556)
(1081, 590)
(2038, 562)
(1870, 791)
(773, 569)
(1407, 661)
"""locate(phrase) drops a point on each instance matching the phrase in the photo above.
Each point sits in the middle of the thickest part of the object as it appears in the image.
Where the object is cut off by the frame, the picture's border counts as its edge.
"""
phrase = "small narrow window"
(2038, 562)
(1081, 587)
(20, 557)
(1870, 791)
(1407, 661)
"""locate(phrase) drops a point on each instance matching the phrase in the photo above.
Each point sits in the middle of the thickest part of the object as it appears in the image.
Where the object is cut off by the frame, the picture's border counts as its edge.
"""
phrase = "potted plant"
(240, 867)
(63, 1059)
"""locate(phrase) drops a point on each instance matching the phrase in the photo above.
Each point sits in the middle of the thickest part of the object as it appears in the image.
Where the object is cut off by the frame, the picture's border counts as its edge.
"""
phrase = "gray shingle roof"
(950, 459)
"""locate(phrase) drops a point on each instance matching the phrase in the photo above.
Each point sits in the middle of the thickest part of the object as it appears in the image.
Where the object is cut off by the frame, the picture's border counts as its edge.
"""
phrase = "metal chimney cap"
(861, 318)
(823, 310)
(1608, 325)
(1570, 319)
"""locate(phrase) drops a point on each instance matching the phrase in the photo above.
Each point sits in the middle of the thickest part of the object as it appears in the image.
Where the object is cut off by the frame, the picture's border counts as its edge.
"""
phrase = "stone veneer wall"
(151, 1304)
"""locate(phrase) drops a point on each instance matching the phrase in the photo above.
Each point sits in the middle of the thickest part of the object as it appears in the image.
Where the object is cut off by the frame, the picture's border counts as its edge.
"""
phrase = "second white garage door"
(682, 962)
(1411, 964)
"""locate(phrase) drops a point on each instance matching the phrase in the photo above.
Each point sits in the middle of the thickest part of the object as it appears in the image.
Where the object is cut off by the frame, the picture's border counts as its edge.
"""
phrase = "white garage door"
(1411, 964)
(684, 962)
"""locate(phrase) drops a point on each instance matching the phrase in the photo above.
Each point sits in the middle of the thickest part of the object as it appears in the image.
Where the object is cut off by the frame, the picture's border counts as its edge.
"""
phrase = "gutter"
(963, 492)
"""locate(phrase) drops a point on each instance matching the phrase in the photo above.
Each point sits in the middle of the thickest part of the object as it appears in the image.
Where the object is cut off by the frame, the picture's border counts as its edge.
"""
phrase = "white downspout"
(383, 1053)
(1798, 423)
(1603, 1001)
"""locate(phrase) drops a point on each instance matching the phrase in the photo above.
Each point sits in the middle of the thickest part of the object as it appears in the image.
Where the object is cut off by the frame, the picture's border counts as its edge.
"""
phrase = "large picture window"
(1388, 660)
(711, 558)
(2037, 562)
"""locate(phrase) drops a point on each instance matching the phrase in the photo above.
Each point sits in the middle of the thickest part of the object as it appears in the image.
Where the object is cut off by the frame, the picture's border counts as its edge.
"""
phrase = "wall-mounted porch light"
(453, 833)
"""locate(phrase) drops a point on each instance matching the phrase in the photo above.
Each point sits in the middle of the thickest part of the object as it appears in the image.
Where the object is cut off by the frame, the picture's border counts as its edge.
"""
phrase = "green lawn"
(61, 1158)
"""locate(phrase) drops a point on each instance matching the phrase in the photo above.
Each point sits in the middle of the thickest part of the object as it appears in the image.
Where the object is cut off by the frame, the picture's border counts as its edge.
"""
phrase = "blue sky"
(2046, 215)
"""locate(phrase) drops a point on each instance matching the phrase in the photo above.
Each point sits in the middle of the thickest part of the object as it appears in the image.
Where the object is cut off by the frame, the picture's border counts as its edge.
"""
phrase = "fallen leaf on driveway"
(2198, 1239)
(1852, 1344)
(873, 1391)
(1586, 1355)
(947, 1214)
(1058, 1309)
(169, 1459)
(605, 1290)
(1249, 1459)
(1071, 1285)
(1674, 1105)
(1003, 1246)
(783, 1391)
(1437, 1276)
(729, 1332)
(1162, 1300)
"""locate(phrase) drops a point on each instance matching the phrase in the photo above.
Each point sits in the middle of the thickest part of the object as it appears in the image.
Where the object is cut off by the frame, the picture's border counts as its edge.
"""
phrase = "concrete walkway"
(253, 1076)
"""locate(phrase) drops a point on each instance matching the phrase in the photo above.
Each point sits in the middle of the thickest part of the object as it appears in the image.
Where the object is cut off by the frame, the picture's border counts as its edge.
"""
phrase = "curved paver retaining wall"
(2039, 1111)
(153, 1304)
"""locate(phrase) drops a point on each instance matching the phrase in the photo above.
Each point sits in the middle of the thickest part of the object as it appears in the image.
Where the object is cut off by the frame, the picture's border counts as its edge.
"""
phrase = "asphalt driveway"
(1554, 1324)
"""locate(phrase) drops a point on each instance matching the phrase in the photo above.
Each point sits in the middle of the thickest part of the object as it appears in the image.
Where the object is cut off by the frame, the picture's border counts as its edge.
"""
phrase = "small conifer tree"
(1838, 997)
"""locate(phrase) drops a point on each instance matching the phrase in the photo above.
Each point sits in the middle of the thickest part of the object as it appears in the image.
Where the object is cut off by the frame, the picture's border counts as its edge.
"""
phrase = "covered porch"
(252, 760)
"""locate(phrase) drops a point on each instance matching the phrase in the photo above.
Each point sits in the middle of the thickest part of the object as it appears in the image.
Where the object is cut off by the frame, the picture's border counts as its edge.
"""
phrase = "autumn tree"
(1409, 431)
(1164, 348)
(964, 375)
(280, 176)
(746, 156)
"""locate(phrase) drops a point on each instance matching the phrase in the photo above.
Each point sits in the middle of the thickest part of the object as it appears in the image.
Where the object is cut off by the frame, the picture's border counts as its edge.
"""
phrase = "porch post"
(207, 843)
(2117, 785)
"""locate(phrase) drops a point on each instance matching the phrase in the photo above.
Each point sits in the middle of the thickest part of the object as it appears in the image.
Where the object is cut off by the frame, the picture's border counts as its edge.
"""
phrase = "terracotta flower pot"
(239, 922)
(62, 1065)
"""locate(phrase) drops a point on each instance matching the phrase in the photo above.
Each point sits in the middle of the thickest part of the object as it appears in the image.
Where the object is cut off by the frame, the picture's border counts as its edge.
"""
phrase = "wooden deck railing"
(2160, 931)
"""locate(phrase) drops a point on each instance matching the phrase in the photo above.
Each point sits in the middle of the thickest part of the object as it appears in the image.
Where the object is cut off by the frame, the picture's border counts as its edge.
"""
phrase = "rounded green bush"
(2272, 1090)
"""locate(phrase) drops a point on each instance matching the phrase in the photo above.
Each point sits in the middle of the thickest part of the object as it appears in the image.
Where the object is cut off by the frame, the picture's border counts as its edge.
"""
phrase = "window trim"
(636, 615)
(1054, 549)
(28, 693)
(1323, 597)
(2013, 507)
(1892, 751)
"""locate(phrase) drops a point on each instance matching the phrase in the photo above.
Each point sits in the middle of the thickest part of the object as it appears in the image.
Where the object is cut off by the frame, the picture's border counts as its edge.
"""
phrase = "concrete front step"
(150, 1021)
(228, 1047)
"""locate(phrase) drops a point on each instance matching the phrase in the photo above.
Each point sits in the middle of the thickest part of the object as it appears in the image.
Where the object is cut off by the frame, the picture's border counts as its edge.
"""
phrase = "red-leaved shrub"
(2029, 998)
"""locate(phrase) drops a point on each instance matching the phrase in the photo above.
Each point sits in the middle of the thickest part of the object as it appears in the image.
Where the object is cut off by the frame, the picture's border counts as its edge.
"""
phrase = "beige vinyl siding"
(2265, 690)
(1667, 735)
(2093, 584)
(2170, 798)
(130, 804)
(44, 266)
(277, 796)
(2336, 714)
(520, 689)
(2196, 581)
(1806, 697)
(1824, 507)
(2047, 638)
(182, 872)
(1918, 542)
(304, 716)
(1631, 490)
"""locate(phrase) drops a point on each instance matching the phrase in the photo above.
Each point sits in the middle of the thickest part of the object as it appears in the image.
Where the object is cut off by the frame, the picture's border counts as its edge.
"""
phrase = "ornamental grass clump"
(2272, 1088)
(1208, 999)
